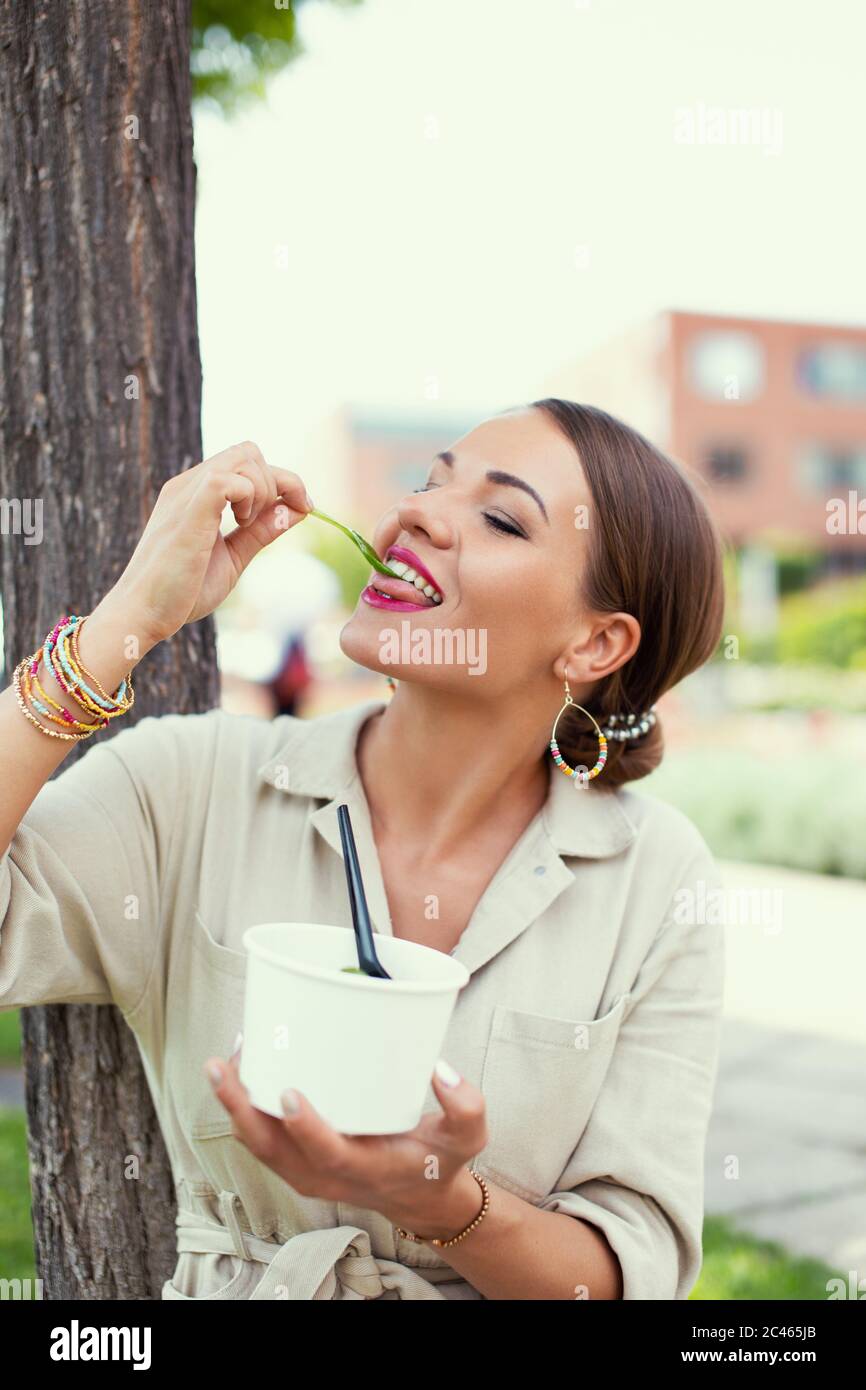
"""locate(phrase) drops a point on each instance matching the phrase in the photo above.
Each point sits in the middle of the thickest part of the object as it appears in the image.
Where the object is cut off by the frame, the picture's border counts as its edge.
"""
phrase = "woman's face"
(500, 529)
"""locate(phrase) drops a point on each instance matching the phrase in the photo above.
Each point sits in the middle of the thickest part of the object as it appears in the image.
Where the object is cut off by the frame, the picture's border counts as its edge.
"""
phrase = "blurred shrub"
(788, 810)
(797, 569)
(798, 562)
(826, 625)
(751, 686)
(340, 555)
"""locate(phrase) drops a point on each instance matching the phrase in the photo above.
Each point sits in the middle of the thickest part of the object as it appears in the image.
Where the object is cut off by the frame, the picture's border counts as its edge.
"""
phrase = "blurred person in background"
(292, 678)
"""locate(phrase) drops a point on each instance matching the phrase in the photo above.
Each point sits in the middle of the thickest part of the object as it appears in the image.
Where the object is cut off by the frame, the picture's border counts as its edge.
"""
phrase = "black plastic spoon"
(367, 958)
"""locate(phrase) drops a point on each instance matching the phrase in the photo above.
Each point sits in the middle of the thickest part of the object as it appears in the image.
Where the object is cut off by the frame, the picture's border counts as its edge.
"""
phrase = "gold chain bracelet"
(443, 1244)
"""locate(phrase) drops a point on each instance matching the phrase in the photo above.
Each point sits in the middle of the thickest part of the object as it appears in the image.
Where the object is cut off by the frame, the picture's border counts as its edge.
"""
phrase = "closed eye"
(499, 525)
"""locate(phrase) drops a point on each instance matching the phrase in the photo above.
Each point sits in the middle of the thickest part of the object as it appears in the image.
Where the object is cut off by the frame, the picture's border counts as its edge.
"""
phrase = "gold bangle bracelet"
(31, 683)
(51, 733)
(443, 1244)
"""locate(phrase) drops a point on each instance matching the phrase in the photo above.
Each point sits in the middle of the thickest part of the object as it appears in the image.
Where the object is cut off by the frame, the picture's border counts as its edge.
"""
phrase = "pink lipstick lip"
(399, 552)
(376, 600)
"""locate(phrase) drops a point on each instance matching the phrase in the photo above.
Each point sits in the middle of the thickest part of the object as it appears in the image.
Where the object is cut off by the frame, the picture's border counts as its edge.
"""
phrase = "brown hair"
(654, 552)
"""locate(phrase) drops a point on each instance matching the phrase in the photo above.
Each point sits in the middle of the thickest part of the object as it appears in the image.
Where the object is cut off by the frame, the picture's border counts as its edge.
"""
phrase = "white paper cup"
(361, 1050)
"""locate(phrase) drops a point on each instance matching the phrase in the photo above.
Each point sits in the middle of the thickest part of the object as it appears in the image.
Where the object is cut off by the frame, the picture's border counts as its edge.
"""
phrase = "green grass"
(737, 1266)
(17, 1260)
(10, 1038)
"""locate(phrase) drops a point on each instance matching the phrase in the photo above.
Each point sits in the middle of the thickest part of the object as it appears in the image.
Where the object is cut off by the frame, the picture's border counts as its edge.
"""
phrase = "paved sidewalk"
(803, 967)
(786, 1152)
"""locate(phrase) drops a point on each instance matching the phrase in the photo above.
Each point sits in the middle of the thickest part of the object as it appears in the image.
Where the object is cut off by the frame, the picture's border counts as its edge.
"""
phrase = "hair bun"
(627, 759)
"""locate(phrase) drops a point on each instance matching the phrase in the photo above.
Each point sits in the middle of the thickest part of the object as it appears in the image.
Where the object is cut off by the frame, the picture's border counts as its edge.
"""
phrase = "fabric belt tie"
(335, 1263)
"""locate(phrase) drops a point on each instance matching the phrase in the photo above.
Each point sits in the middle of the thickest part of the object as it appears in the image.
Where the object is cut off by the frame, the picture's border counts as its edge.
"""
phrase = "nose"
(424, 514)
(420, 514)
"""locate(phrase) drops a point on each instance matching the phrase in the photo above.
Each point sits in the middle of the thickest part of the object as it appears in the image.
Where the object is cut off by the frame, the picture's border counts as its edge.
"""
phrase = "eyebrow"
(495, 475)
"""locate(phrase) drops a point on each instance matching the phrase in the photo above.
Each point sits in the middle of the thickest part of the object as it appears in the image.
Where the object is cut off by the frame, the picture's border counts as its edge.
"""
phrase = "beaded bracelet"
(118, 703)
(57, 652)
(41, 705)
(443, 1244)
(52, 733)
(62, 653)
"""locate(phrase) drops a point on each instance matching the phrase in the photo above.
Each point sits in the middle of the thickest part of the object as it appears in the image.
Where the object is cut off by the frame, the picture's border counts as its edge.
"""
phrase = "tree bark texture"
(100, 393)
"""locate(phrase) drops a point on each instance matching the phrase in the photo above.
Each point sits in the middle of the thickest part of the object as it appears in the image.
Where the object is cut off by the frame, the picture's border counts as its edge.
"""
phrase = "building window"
(823, 468)
(835, 370)
(727, 463)
(726, 366)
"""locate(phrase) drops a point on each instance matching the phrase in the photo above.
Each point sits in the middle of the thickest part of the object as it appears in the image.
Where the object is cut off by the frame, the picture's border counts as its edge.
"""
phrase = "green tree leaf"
(237, 45)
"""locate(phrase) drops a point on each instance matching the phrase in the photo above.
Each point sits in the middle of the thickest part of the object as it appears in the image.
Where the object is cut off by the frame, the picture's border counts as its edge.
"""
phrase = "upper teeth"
(410, 576)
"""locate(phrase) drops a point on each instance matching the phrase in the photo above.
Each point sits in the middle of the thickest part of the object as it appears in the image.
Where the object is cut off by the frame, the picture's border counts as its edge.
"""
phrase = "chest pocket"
(541, 1079)
(206, 1016)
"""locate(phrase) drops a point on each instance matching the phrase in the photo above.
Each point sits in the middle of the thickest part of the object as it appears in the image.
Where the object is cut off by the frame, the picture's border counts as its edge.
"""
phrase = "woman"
(561, 1150)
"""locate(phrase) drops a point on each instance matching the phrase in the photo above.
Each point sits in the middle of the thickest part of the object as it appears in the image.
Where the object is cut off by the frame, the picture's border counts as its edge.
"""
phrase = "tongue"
(400, 590)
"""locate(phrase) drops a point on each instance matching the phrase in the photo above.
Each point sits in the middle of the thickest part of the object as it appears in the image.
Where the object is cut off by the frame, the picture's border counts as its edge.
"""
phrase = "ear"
(608, 643)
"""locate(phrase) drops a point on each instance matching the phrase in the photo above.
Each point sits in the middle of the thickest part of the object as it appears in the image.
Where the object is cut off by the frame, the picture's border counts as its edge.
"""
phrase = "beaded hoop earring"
(392, 684)
(581, 778)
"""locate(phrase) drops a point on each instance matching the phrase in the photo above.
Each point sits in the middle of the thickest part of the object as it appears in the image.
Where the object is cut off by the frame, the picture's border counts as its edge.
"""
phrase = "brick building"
(770, 414)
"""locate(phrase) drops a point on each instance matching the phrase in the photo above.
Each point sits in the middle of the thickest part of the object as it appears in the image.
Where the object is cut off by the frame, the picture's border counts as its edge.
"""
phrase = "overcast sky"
(446, 199)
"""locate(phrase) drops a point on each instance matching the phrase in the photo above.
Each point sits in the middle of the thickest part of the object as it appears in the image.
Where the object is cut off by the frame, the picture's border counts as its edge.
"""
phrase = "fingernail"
(446, 1073)
(215, 1072)
(310, 502)
(290, 1103)
(236, 1046)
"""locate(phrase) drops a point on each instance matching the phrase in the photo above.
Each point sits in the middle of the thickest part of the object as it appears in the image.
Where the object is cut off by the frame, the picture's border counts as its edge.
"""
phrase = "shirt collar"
(317, 759)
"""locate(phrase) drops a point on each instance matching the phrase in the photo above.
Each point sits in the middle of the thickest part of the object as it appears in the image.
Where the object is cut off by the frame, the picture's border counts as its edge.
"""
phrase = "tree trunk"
(100, 381)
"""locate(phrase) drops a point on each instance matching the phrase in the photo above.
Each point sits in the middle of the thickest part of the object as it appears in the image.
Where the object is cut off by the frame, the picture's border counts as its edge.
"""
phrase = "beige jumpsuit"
(591, 1020)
